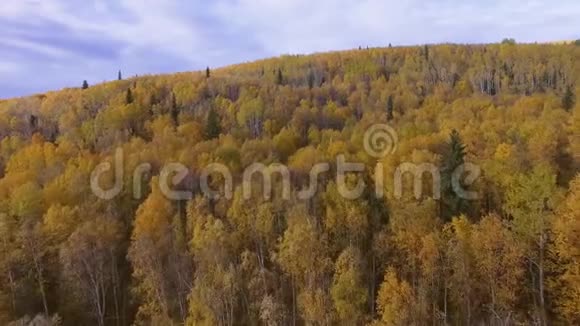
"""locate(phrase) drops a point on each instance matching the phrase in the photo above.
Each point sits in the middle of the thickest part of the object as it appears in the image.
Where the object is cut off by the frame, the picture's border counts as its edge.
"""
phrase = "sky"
(51, 44)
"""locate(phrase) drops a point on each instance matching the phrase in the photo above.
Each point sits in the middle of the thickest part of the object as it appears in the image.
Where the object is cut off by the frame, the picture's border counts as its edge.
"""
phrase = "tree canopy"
(508, 257)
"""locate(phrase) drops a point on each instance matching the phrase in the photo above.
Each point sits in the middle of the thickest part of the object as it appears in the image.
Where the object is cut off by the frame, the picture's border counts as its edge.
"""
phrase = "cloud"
(296, 26)
(68, 41)
(134, 24)
(9, 67)
(40, 48)
(57, 43)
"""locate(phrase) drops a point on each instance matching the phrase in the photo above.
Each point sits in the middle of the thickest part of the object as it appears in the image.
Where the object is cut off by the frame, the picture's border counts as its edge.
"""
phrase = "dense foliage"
(510, 257)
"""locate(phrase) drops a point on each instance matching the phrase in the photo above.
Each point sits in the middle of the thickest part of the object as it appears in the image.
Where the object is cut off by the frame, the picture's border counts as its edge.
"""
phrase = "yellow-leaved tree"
(567, 252)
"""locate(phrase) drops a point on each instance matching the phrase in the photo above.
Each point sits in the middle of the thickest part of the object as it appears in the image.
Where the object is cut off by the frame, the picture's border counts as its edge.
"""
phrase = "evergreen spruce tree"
(452, 204)
(120, 76)
(568, 99)
(279, 77)
(509, 41)
(207, 72)
(85, 84)
(213, 127)
(129, 96)
(33, 122)
(311, 79)
(174, 110)
(390, 108)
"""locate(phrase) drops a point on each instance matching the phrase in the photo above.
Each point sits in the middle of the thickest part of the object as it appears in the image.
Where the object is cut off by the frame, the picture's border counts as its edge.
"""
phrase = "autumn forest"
(508, 256)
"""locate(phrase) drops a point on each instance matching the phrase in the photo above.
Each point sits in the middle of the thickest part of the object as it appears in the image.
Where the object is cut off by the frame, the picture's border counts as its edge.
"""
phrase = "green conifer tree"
(129, 96)
(279, 77)
(311, 79)
(568, 99)
(390, 108)
(452, 203)
(174, 110)
(213, 127)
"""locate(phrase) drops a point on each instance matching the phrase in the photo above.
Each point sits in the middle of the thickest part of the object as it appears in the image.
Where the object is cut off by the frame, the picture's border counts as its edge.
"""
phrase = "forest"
(509, 257)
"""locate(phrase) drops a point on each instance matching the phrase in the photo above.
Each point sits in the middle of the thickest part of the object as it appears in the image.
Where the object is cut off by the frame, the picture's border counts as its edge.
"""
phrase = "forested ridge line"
(509, 257)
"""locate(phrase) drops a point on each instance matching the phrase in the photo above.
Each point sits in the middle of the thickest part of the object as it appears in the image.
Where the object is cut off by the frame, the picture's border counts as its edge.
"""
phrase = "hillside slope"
(504, 255)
